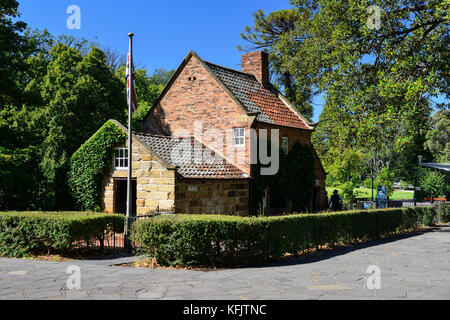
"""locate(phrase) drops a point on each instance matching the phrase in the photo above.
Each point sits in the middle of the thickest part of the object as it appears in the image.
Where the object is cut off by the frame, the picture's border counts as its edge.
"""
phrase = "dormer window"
(239, 137)
(121, 159)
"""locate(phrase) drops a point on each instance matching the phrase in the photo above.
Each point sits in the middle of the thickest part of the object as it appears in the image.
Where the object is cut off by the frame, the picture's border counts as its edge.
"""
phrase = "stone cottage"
(207, 109)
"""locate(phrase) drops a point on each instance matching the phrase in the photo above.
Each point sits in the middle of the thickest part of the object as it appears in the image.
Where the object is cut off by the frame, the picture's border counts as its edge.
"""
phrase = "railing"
(111, 241)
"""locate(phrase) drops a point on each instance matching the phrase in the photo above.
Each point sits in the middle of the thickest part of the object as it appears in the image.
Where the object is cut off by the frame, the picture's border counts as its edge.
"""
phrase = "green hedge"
(213, 240)
(444, 213)
(24, 233)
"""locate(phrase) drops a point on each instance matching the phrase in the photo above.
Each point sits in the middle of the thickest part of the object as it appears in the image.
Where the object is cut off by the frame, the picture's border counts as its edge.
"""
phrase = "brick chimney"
(257, 63)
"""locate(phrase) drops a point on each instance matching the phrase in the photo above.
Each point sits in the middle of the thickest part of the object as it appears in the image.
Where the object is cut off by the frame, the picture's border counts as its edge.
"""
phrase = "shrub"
(444, 212)
(432, 183)
(23, 233)
(212, 240)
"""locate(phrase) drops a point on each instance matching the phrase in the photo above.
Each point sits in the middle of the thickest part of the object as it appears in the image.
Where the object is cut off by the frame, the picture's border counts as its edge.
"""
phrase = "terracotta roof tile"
(255, 98)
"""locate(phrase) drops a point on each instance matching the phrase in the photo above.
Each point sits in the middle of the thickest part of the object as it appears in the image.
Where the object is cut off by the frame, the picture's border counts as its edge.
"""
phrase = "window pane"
(125, 163)
(126, 153)
(116, 153)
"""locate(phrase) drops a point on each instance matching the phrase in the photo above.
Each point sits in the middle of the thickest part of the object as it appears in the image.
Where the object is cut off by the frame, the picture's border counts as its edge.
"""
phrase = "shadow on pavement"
(325, 254)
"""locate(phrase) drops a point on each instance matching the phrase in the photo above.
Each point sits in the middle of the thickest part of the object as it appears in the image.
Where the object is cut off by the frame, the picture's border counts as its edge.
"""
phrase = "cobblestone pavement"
(412, 267)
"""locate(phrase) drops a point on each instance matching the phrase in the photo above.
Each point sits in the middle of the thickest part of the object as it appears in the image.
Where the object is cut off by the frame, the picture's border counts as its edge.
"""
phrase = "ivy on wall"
(292, 187)
(89, 164)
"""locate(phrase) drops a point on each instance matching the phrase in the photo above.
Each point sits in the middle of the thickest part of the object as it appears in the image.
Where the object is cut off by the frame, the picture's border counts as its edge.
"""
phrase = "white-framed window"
(285, 145)
(239, 137)
(121, 159)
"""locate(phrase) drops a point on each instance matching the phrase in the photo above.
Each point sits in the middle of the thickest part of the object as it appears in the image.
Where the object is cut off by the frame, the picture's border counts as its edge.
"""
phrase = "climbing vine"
(89, 164)
(291, 188)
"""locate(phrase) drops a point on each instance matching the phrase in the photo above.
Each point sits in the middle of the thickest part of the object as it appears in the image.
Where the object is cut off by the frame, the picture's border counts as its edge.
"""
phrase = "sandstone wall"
(155, 183)
(207, 196)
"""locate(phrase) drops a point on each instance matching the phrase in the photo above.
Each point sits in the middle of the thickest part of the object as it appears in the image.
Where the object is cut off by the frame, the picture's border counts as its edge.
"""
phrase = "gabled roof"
(270, 108)
(267, 104)
(171, 150)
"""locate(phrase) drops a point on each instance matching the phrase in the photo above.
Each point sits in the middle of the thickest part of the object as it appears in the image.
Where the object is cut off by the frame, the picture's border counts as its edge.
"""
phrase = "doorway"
(120, 196)
(316, 199)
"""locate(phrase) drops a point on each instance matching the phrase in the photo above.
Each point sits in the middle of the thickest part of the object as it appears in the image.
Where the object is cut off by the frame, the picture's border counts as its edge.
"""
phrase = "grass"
(367, 193)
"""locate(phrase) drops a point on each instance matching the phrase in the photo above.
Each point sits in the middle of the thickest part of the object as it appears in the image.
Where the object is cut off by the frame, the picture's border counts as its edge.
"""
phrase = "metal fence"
(115, 242)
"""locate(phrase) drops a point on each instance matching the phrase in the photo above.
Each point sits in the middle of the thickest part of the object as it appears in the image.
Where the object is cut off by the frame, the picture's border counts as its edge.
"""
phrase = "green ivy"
(291, 188)
(89, 164)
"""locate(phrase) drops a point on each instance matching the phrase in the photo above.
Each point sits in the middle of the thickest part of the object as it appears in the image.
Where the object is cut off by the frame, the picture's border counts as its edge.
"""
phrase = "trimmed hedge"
(213, 240)
(23, 233)
(444, 213)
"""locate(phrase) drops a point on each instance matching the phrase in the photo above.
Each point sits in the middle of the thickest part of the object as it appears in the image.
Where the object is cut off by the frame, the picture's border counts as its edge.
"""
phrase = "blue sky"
(165, 31)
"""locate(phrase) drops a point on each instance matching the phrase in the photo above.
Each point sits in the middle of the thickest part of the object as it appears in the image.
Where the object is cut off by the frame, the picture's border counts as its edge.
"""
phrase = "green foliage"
(349, 191)
(24, 233)
(89, 163)
(266, 34)
(292, 186)
(345, 173)
(403, 184)
(379, 83)
(444, 212)
(12, 43)
(214, 240)
(385, 178)
(432, 183)
(438, 137)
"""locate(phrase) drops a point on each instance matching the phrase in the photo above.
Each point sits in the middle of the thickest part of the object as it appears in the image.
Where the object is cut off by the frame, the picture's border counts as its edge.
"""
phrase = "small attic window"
(239, 137)
(121, 159)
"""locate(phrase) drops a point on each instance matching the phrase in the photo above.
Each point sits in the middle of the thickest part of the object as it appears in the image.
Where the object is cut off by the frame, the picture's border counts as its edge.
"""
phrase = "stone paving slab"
(415, 266)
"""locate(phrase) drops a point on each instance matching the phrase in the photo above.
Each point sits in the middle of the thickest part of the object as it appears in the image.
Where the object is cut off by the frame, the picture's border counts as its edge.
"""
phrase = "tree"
(432, 183)
(148, 89)
(438, 136)
(346, 173)
(265, 35)
(386, 178)
(12, 43)
(379, 79)
(81, 94)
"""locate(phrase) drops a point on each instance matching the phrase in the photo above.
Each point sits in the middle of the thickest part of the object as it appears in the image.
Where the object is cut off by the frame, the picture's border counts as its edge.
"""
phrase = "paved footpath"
(412, 267)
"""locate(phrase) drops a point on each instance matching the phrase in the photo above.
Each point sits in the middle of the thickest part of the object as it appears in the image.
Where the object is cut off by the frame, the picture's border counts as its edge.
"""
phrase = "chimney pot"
(257, 63)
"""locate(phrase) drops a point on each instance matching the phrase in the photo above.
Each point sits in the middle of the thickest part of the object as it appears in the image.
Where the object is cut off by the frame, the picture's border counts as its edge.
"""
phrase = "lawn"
(367, 193)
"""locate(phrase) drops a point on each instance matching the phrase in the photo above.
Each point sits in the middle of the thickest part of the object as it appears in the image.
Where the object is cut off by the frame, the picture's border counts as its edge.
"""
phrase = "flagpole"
(130, 152)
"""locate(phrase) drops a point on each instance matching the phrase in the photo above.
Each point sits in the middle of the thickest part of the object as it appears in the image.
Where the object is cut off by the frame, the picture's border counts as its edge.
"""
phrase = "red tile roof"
(254, 97)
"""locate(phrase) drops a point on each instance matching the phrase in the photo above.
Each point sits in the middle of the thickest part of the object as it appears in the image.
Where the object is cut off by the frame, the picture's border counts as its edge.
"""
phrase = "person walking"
(336, 201)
